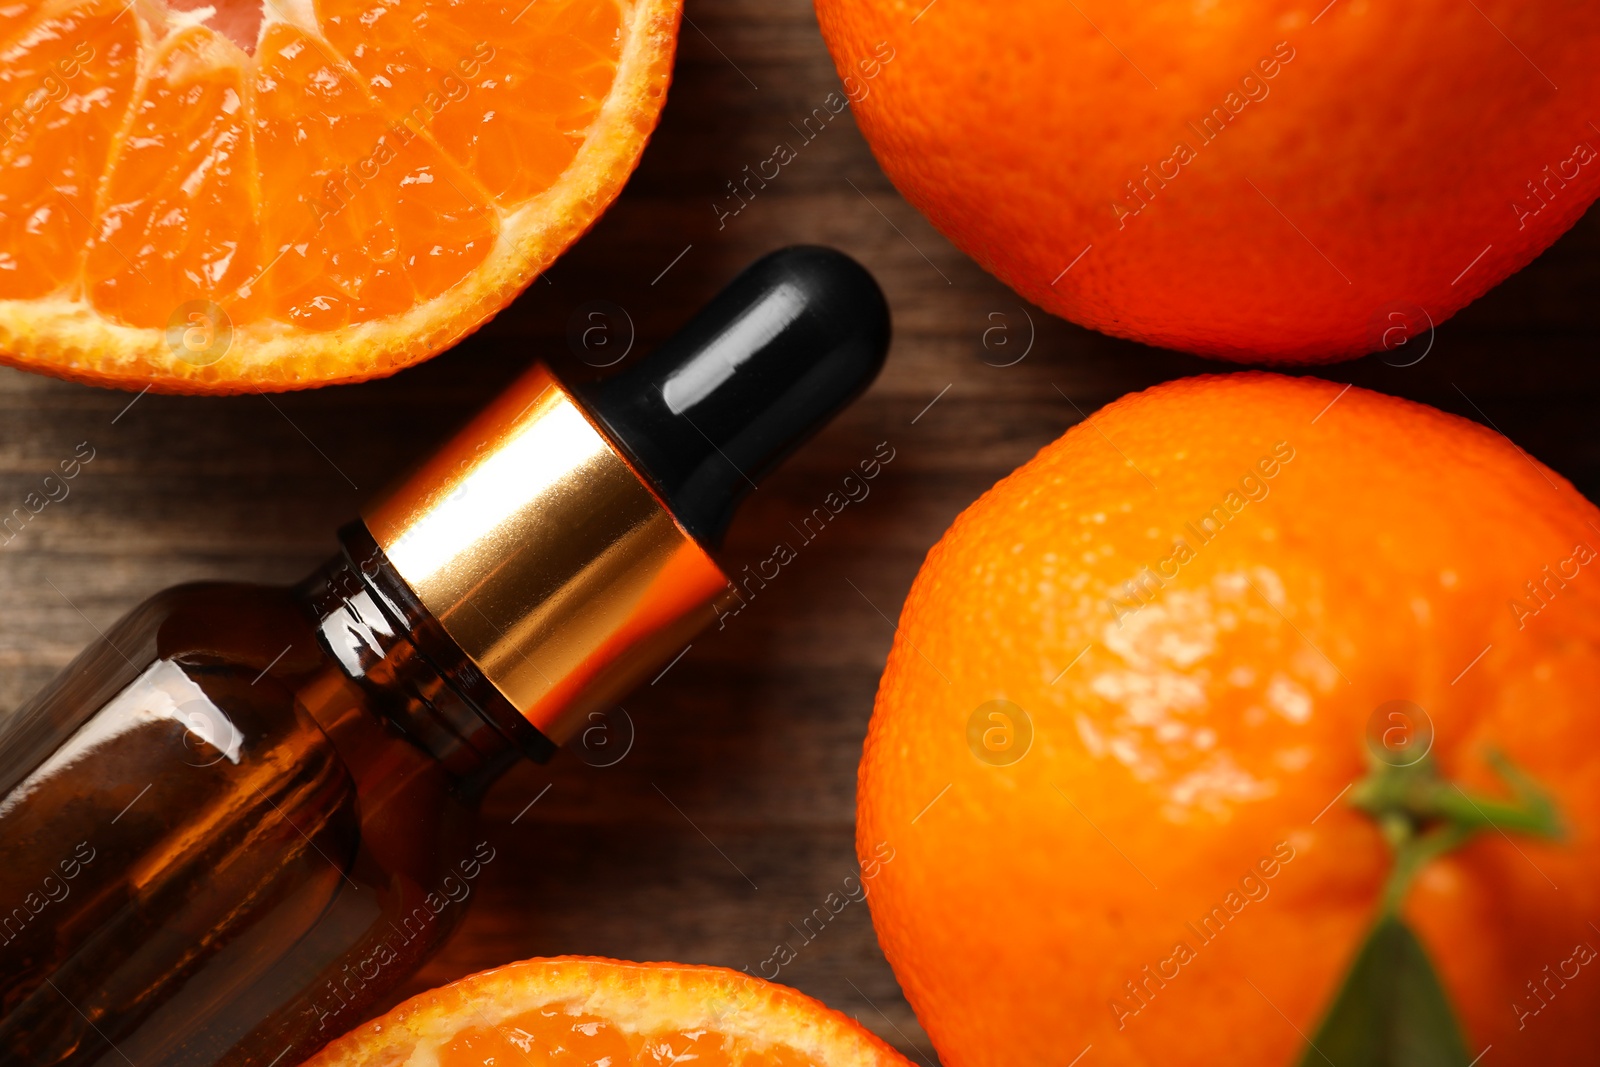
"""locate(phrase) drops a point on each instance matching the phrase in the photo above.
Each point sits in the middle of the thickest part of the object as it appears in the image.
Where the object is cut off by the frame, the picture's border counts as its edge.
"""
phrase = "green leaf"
(1391, 1010)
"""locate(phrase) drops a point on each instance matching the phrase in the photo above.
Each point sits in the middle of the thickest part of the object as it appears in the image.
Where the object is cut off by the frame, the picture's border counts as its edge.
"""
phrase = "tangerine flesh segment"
(320, 182)
(692, 1048)
(363, 217)
(507, 89)
(14, 16)
(179, 218)
(546, 1037)
(65, 82)
(552, 1037)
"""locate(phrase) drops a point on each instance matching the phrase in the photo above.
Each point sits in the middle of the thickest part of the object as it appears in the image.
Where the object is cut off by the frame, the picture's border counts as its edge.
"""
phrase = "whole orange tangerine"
(1130, 693)
(573, 1011)
(272, 194)
(1289, 181)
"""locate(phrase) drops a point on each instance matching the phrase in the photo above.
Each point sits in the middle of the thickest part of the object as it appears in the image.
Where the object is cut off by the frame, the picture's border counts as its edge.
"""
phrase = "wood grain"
(731, 817)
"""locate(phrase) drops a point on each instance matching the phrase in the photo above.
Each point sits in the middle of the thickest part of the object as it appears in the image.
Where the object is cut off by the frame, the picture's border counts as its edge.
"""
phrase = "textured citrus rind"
(1214, 719)
(1359, 192)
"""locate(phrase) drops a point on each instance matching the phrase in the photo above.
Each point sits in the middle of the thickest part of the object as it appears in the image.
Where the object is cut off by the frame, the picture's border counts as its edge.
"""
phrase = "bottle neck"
(372, 625)
(530, 545)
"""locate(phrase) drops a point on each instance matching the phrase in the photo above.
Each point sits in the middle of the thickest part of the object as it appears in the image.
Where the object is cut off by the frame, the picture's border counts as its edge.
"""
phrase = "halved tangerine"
(574, 1011)
(223, 195)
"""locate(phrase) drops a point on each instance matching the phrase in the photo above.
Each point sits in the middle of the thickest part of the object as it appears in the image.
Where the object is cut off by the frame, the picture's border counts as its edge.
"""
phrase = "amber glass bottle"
(245, 814)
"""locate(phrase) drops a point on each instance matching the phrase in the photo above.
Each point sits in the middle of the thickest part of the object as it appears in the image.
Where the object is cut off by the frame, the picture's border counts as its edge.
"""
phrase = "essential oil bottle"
(236, 822)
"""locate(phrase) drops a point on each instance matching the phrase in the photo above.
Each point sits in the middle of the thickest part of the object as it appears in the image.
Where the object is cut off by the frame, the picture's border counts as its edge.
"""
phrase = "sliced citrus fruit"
(269, 194)
(571, 1011)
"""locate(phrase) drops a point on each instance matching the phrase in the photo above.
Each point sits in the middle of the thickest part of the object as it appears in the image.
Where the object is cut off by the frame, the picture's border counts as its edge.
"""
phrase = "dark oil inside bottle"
(231, 827)
(236, 823)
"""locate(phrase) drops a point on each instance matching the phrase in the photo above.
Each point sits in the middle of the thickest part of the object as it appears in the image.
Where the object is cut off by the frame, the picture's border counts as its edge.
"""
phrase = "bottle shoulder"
(207, 801)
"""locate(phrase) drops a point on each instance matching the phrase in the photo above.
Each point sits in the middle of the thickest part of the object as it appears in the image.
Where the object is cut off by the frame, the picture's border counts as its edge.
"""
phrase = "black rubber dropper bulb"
(794, 338)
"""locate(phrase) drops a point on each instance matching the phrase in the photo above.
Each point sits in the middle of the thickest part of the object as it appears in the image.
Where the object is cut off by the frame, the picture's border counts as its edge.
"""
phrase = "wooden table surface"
(731, 816)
